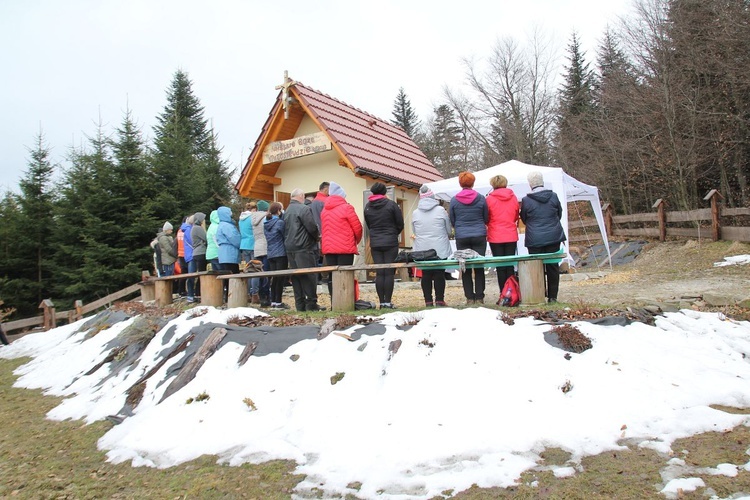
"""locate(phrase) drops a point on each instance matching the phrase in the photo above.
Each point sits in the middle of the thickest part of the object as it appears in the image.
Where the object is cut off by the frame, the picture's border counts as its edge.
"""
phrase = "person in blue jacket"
(228, 239)
(273, 228)
(469, 215)
(541, 211)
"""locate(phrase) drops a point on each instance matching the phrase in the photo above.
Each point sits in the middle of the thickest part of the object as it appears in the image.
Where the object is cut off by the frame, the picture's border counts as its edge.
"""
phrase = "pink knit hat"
(426, 192)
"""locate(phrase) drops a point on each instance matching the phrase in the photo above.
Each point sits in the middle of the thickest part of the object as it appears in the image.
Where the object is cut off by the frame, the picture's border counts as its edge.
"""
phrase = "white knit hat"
(166, 227)
(336, 190)
(535, 179)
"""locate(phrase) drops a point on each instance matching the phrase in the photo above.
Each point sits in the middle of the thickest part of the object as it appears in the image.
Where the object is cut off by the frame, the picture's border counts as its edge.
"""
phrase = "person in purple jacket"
(469, 216)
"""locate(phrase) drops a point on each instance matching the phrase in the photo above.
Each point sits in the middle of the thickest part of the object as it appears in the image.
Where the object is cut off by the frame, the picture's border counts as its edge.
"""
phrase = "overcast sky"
(65, 64)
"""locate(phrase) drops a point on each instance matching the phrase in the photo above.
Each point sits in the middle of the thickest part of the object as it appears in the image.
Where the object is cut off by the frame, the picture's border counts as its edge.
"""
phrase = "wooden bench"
(530, 270)
(342, 299)
(237, 296)
(212, 290)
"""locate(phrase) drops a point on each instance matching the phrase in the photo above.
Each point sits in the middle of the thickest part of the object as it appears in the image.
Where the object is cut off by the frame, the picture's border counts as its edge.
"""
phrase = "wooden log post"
(77, 312)
(212, 290)
(531, 282)
(163, 292)
(237, 296)
(662, 216)
(3, 338)
(49, 314)
(148, 291)
(714, 196)
(403, 274)
(342, 299)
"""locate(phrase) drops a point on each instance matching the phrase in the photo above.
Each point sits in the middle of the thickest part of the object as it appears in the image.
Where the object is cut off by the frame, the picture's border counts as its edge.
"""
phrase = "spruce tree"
(15, 290)
(575, 95)
(404, 116)
(88, 259)
(444, 145)
(214, 178)
(31, 280)
(575, 110)
(134, 192)
(183, 105)
(190, 173)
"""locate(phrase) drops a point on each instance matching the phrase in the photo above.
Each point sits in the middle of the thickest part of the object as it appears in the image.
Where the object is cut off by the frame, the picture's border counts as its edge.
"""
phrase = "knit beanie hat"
(166, 227)
(535, 179)
(377, 188)
(426, 192)
(466, 179)
(336, 190)
(263, 206)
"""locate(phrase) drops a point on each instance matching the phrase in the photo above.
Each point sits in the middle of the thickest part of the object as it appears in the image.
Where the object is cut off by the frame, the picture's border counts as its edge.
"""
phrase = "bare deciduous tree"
(509, 113)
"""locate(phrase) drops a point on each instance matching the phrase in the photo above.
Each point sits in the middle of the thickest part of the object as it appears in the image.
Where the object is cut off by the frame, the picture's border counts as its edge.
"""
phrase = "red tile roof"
(373, 146)
(368, 145)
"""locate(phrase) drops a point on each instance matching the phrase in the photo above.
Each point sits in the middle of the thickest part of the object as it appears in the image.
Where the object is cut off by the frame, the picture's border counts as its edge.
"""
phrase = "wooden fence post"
(77, 312)
(342, 299)
(237, 294)
(531, 282)
(714, 196)
(662, 216)
(607, 209)
(212, 290)
(49, 314)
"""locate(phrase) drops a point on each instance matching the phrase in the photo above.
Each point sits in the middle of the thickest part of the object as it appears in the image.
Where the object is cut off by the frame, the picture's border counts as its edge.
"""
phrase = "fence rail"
(662, 223)
(50, 317)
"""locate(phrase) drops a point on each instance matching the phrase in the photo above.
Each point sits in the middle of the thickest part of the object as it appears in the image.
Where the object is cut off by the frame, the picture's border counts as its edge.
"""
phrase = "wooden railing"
(706, 223)
(50, 317)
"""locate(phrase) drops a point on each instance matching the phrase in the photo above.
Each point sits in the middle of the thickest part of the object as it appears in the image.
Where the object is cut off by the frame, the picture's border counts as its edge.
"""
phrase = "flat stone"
(667, 307)
(717, 300)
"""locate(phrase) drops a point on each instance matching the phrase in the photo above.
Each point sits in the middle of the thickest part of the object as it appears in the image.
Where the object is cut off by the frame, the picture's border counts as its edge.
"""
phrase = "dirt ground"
(670, 274)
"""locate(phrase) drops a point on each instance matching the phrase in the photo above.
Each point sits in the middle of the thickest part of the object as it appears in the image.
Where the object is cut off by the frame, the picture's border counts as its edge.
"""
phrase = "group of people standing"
(326, 230)
(193, 248)
(478, 221)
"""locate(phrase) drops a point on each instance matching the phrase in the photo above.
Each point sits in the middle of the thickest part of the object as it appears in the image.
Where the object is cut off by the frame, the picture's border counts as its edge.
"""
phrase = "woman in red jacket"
(502, 229)
(341, 230)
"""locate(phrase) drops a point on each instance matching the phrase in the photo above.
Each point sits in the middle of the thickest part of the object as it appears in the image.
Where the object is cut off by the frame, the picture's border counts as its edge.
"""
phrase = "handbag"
(419, 255)
(430, 254)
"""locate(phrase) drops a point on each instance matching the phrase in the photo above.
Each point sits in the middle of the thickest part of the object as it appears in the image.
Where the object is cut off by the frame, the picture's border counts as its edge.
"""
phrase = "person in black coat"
(541, 211)
(301, 236)
(384, 222)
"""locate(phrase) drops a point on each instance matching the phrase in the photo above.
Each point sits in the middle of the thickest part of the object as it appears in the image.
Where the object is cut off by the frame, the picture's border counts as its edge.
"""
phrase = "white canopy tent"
(566, 187)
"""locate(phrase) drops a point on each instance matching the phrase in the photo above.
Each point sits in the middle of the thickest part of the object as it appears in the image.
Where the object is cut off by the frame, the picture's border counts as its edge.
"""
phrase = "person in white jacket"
(431, 229)
(260, 288)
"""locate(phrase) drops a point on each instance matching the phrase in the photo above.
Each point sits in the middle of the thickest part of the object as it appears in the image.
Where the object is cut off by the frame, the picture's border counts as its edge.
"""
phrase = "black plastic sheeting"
(270, 339)
(596, 255)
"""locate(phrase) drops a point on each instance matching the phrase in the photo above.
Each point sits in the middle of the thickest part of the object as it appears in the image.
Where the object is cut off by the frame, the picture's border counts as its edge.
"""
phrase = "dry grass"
(40, 458)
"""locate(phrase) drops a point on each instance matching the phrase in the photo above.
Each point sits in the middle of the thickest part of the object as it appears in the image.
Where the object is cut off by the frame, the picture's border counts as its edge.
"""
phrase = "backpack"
(511, 295)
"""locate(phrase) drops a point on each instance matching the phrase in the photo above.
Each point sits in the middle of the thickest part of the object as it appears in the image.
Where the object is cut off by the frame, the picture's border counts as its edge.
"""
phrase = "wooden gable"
(367, 146)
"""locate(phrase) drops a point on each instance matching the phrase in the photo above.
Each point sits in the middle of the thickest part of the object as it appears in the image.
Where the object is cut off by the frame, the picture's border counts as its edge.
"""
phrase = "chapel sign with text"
(297, 147)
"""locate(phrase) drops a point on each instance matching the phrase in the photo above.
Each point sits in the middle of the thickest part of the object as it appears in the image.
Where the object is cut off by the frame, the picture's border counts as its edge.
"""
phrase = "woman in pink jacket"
(341, 230)
(502, 229)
